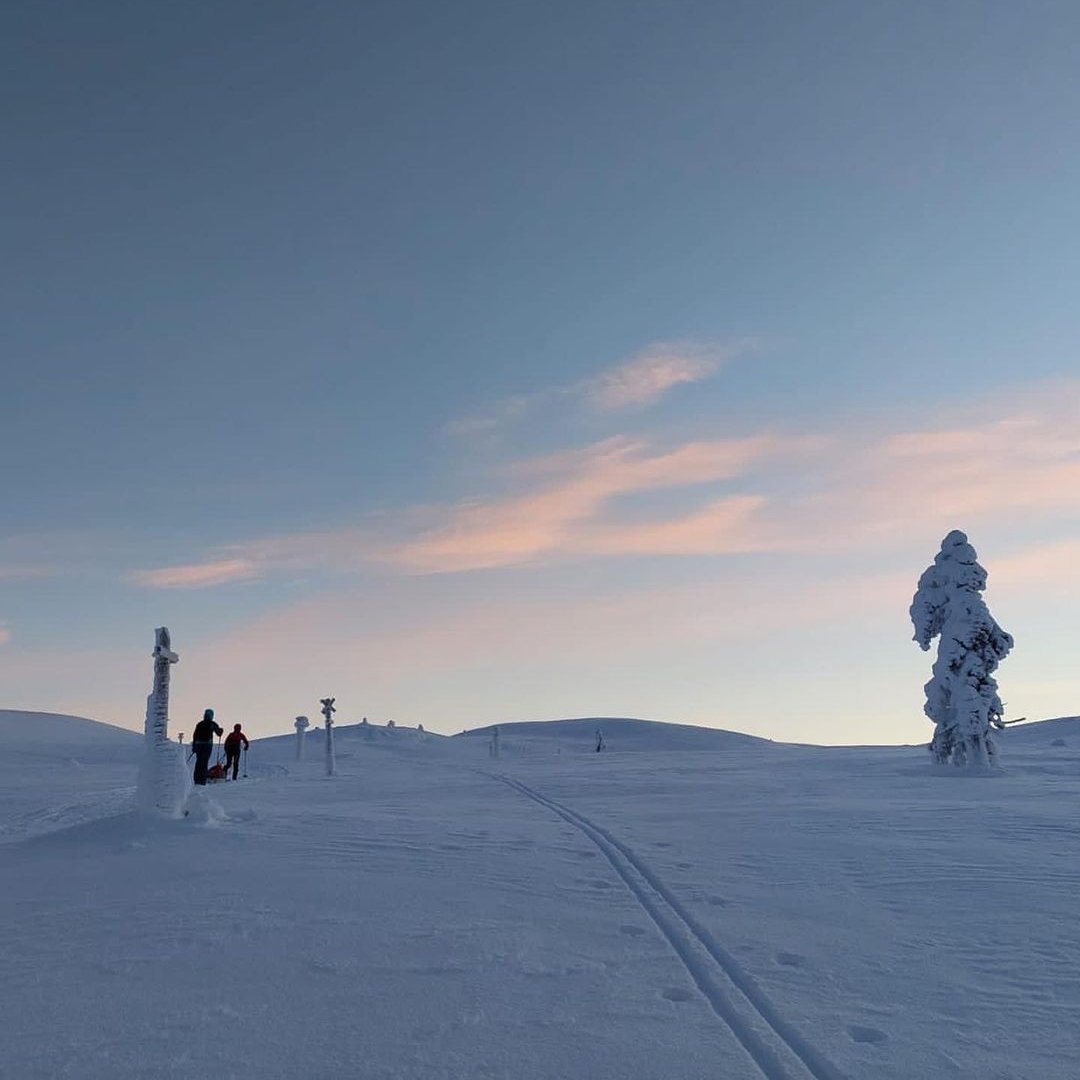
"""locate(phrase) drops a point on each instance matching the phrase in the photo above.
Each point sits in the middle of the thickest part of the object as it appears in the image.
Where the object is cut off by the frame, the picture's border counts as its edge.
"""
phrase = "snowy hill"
(1043, 732)
(60, 770)
(767, 912)
(52, 736)
(621, 733)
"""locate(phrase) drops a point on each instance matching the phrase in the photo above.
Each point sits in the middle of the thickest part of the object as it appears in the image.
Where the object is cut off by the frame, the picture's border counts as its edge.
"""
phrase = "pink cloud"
(5, 635)
(198, 575)
(1015, 454)
(1053, 565)
(564, 516)
(765, 492)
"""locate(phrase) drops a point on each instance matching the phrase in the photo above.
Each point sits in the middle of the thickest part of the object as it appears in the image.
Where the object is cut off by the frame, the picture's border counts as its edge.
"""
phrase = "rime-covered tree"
(962, 696)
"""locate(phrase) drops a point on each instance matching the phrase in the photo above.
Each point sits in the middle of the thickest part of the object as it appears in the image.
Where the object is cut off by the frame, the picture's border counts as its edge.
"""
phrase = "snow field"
(753, 911)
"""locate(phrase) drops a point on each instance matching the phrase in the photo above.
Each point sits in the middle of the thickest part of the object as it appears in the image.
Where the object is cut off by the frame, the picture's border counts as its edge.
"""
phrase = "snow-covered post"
(599, 740)
(420, 733)
(328, 711)
(961, 697)
(493, 747)
(301, 723)
(162, 777)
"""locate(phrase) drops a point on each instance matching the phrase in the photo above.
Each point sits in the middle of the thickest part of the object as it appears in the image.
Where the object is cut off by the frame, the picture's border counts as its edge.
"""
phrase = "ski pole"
(245, 760)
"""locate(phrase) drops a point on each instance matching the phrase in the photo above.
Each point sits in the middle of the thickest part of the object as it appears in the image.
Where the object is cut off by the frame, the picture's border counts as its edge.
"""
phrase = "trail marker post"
(328, 711)
(161, 778)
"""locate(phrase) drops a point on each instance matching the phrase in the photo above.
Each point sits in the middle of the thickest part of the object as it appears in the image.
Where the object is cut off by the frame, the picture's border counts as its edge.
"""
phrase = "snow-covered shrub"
(961, 697)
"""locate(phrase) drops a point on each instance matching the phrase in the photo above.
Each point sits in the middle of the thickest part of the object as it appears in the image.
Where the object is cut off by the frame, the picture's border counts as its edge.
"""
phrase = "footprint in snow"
(685, 865)
(862, 1034)
(790, 959)
(677, 993)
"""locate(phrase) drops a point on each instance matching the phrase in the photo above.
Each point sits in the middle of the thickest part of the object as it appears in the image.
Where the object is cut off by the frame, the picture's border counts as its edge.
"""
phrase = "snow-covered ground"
(686, 904)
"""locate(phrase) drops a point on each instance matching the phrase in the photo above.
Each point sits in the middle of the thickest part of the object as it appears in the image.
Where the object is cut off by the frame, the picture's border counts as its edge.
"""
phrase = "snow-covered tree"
(961, 697)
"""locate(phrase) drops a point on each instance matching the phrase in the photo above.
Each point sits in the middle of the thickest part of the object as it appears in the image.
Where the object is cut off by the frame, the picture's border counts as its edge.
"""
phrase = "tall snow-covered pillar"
(328, 711)
(162, 776)
(301, 723)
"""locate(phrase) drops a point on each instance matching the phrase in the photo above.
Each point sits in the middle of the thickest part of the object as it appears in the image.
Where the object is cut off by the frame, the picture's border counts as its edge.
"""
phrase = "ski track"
(67, 815)
(778, 1050)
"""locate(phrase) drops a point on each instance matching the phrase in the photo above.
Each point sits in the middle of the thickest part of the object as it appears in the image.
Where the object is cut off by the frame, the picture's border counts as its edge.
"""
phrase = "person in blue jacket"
(202, 744)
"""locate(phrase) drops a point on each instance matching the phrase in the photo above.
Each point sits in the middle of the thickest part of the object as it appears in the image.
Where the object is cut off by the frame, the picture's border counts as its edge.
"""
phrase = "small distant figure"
(233, 742)
(202, 744)
(599, 740)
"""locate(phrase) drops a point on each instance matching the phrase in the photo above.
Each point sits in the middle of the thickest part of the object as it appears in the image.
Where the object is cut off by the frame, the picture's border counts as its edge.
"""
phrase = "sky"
(501, 361)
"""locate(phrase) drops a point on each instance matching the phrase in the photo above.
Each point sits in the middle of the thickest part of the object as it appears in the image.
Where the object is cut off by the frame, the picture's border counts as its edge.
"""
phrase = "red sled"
(216, 772)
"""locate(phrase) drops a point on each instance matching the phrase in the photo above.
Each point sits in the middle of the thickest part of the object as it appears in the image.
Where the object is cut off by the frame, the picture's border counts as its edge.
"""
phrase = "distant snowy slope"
(348, 738)
(52, 737)
(1042, 732)
(622, 733)
(57, 771)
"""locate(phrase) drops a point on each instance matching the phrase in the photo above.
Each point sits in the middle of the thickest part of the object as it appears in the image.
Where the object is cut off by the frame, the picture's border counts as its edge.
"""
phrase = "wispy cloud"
(645, 378)
(776, 492)
(5, 634)
(499, 415)
(198, 575)
(563, 512)
(636, 381)
(26, 571)
(1014, 454)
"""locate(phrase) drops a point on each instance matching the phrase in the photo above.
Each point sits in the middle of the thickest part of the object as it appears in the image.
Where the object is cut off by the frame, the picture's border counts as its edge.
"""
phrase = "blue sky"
(502, 361)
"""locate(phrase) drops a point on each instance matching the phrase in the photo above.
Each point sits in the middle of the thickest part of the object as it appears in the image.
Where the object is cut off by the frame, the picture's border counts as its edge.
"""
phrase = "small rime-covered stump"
(301, 723)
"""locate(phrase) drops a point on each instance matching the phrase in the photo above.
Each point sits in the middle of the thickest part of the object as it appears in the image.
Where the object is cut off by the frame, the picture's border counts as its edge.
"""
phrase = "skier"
(232, 750)
(202, 744)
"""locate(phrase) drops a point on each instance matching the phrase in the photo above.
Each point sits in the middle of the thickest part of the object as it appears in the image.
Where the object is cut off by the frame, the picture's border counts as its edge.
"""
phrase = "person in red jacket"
(233, 742)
